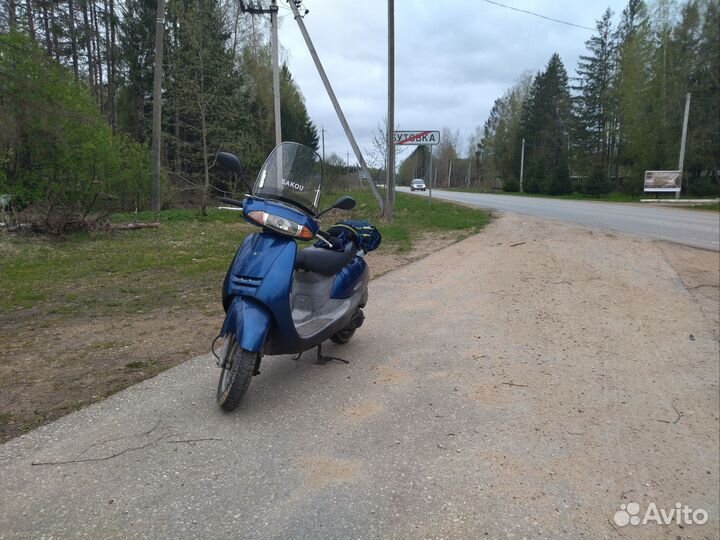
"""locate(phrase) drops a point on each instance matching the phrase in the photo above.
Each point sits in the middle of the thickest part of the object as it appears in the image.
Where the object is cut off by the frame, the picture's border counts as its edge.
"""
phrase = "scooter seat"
(327, 262)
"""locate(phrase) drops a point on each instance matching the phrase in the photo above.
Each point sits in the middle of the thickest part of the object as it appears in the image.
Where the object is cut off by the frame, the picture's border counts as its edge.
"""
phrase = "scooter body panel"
(350, 279)
(249, 322)
(257, 296)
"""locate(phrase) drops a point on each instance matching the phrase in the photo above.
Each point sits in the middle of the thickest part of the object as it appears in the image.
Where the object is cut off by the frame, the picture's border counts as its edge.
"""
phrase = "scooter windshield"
(292, 173)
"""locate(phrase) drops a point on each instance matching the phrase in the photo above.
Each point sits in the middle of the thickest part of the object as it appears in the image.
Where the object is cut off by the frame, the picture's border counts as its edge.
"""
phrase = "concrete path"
(690, 227)
(523, 383)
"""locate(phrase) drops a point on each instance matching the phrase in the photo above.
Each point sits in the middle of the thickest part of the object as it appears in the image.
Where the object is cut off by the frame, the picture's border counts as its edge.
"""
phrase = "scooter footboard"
(249, 321)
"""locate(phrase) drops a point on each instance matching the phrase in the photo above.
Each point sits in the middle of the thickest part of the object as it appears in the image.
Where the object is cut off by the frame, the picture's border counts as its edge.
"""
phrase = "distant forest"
(76, 97)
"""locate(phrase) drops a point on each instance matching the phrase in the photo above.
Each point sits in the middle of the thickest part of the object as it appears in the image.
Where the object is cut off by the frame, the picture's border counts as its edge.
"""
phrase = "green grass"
(615, 196)
(412, 216)
(715, 207)
(179, 265)
(610, 197)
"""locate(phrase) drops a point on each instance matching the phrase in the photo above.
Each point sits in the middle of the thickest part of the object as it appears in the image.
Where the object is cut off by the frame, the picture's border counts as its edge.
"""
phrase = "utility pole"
(276, 70)
(336, 104)
(682, 142)
(430, 173)
(390, 173)
(522, 164)
(322, 131)
(157, 105)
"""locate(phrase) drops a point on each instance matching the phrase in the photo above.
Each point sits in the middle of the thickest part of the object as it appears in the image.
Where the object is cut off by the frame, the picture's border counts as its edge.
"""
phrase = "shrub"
(57, 152)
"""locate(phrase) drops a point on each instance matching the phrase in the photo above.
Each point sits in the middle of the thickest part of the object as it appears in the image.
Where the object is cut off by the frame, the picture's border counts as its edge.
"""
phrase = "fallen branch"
(133, 226)
(514, 384)
(518, 244)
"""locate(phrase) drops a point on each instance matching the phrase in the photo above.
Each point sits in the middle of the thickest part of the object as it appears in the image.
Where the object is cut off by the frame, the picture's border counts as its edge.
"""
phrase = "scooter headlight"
(280, 224)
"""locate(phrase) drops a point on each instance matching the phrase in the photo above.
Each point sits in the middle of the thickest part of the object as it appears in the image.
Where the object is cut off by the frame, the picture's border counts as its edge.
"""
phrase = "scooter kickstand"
(322, 360)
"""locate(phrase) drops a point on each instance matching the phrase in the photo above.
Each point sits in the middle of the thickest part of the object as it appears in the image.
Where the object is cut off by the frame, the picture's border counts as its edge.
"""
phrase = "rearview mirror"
(228, 162)
(343, 203)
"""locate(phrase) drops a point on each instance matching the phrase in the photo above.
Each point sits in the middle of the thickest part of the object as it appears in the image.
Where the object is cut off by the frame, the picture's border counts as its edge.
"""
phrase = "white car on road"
(418, 183)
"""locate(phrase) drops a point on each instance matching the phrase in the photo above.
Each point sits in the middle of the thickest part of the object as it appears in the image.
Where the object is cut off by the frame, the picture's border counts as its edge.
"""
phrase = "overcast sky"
(453, 58)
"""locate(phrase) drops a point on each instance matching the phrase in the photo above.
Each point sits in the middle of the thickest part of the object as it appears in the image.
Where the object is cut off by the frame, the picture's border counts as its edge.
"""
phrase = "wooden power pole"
(390, 173)
(157, 105)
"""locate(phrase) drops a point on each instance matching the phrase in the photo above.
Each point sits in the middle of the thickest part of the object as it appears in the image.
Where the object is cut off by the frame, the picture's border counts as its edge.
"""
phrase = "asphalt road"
(522, 383)
(690, 227)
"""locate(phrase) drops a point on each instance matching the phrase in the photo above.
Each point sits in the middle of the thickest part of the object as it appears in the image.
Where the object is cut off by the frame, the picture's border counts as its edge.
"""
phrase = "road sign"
(416, 137)
(662, 181)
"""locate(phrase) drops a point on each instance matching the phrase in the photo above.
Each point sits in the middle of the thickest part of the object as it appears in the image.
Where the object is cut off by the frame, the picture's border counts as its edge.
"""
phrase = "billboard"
(663, 181)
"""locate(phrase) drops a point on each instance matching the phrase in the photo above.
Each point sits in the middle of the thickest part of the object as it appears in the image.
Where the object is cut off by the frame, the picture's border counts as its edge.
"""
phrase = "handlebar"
(233, 202)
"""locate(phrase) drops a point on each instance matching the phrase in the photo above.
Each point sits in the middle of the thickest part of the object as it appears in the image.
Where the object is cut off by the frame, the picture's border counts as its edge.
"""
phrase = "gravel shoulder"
(524, 382)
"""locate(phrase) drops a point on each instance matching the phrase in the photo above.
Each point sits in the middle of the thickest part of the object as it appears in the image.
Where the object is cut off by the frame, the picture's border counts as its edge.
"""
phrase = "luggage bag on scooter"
(365, 235)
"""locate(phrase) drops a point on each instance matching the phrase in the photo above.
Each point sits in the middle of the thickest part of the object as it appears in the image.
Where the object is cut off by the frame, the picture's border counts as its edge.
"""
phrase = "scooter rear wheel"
(235, 376)
(343, 336)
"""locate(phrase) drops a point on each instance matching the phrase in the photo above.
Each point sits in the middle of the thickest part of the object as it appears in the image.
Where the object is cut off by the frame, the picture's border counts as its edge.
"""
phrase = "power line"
(541, 16)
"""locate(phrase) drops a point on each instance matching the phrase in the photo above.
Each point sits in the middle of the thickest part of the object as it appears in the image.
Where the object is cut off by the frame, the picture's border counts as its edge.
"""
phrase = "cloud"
(453, 59)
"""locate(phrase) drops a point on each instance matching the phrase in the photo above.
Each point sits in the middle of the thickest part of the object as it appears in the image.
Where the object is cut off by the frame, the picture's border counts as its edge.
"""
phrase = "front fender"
(249, 321)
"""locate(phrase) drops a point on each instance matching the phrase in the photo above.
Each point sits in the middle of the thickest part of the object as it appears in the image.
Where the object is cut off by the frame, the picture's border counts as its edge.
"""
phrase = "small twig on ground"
(144, 434)
(518, 244)
(679, 415)
(103, 458)
(190, 441)
(514, 384)
(126, 450)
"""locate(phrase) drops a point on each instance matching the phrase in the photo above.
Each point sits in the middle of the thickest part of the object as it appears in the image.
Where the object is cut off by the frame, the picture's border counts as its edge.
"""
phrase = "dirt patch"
(53, 365)
(323, 471)
(391, 376)
(362, 411)
(382, 263)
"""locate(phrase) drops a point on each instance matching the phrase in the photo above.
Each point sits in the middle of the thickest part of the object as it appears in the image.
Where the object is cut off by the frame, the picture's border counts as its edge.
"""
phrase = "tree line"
(76, 97)
(620, 114)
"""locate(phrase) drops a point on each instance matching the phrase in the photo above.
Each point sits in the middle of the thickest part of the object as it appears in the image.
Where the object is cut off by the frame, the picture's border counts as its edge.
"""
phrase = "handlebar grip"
(233, 202)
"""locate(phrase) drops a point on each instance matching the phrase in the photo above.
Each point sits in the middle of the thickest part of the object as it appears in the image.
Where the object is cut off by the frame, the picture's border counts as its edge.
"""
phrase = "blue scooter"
(278, 299)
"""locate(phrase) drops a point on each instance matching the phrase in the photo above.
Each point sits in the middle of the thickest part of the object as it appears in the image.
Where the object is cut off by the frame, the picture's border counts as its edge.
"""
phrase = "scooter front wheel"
(235, 376)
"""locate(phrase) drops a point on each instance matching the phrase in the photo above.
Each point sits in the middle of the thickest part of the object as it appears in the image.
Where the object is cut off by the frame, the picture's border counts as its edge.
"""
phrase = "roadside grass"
(412, 217)
(181, 263)
(106, 273)
(615, 197)
(705, 207)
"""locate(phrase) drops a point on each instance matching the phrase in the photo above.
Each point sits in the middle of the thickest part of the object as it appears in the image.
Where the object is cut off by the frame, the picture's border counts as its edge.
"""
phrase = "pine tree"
(295, 121)
(594, 106)
(545, 125)
(135, 60)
